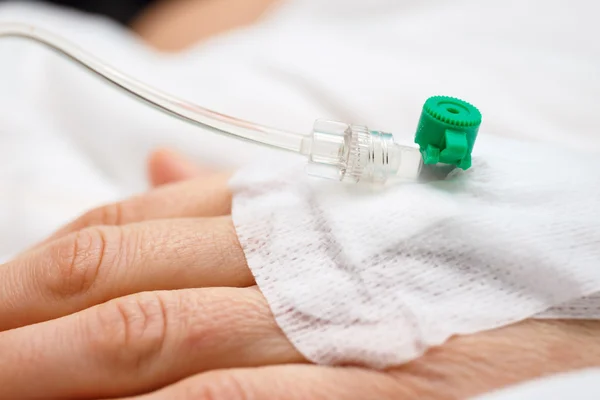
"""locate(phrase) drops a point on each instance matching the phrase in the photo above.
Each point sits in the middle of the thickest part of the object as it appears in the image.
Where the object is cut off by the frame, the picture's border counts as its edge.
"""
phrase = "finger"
(289, 382)
(142, 342)
(167, 166)
(464, 367)
(101, 263)
(203, 197)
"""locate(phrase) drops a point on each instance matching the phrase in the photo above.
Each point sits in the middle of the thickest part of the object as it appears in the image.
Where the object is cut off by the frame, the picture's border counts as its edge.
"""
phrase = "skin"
(174, 25)
(152, 297)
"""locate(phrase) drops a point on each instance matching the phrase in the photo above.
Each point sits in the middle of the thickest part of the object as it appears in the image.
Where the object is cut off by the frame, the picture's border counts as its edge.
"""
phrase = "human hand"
(152, 296)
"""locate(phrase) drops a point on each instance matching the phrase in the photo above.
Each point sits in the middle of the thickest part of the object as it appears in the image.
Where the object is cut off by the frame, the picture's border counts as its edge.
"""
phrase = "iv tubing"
(178, 108)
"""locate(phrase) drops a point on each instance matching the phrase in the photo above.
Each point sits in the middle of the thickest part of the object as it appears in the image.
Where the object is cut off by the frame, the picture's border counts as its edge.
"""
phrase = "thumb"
(168, 166)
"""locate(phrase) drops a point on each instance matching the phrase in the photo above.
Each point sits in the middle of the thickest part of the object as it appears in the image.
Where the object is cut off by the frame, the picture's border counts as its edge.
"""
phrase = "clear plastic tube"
(335, 150)
(178, 108)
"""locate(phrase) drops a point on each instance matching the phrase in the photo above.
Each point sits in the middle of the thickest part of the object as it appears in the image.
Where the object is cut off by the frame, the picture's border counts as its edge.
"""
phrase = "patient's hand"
(154, 294)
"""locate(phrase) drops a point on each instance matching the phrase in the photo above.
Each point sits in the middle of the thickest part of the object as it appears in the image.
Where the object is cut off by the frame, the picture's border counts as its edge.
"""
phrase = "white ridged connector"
(353, 153)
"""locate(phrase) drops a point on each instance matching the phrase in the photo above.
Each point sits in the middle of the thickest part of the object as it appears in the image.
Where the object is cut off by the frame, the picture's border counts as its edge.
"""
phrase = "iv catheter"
(336, 150)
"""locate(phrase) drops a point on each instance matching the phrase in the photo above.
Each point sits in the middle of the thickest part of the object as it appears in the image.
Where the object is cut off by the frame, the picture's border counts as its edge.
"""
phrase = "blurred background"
(171, 25)
(123, 11)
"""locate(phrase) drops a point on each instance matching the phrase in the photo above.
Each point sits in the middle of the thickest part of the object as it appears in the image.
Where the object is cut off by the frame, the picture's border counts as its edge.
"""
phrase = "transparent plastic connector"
(353, 153)
(335, 150)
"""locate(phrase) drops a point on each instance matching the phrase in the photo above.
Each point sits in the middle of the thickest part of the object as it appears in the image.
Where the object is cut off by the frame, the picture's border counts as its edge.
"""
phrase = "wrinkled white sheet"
(68, 142)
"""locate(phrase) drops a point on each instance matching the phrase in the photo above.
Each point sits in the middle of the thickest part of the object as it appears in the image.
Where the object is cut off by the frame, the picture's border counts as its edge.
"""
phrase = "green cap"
(447, 131)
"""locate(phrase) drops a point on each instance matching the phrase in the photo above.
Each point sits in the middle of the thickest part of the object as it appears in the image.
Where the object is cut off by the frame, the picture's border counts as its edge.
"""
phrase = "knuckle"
(205, 318)
(129, 333)
(110, 214)
(76, 261)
